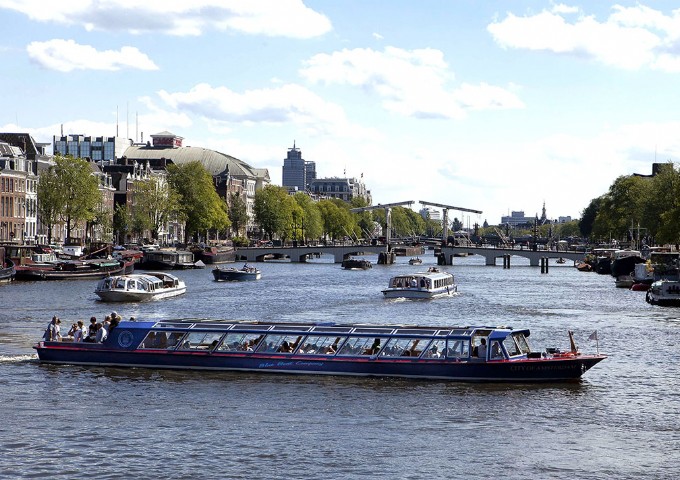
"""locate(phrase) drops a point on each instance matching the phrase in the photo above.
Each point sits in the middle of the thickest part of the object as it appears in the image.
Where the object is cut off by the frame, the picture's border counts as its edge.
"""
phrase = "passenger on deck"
(91, 330)
(481, 349)
(375, 348)
(52, 333)
(78, 334)
(102, 333)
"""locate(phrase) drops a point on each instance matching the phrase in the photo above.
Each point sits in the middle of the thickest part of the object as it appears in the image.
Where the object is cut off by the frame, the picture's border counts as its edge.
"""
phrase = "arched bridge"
(492, 253)
(299, 254)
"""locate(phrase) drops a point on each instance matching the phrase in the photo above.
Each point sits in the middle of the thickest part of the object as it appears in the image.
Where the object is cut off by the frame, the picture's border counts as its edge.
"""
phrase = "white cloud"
(630, 38)
(283, 105)
(287, 18)
(67, 55)
(414, 83)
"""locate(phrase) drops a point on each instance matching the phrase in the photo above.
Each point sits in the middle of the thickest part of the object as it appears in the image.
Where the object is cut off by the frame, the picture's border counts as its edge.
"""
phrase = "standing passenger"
(102, 333)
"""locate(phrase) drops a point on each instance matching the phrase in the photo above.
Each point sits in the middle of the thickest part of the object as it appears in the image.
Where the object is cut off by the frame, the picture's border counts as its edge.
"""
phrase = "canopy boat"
(415, 261)
(431, 284)
(139, 287)
(665, 293)
(233, 274)
(427, 352)
(356, 264)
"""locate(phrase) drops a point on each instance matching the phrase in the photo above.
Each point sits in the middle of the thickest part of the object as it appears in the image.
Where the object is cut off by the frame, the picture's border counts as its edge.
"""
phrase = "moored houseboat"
(470, 353)
(7, 271)
(35, 262)
(169, 260)
(422, 285)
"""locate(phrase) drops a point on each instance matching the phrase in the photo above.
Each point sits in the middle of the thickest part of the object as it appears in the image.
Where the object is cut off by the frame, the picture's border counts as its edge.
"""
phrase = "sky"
(494, 106)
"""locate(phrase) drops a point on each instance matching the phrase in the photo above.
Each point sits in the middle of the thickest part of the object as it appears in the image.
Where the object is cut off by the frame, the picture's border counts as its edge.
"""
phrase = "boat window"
(321, 328)
(373, 330)
(521, 342)
(161, 339)
(496, 352)
(362, 346)
(511, 346)
(240, 342)
(320, 345)
(404, 347)
(291, 326)
(200, 341)
(414, 331)
(435, 349)
(279, 343)
(458, 348)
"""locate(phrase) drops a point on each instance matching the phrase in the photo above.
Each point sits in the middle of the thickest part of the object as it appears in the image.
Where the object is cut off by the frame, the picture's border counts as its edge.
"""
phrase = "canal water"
(622, 420)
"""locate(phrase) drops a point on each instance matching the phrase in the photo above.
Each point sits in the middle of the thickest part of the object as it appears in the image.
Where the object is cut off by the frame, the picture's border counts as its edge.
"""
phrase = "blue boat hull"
(529, 370)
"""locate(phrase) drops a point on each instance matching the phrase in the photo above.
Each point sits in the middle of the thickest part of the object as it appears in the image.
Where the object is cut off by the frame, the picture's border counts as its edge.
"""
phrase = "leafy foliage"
(201, 208)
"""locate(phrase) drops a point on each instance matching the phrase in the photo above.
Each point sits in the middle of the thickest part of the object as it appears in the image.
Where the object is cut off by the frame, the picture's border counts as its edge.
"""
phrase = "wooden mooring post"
(544, 264)
(506, 261)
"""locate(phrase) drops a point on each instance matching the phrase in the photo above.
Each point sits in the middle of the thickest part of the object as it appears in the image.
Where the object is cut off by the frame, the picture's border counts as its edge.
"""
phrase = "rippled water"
(622, 420)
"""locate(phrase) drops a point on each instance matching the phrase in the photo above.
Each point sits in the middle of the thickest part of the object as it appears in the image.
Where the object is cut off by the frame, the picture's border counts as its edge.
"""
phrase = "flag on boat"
(593, 336)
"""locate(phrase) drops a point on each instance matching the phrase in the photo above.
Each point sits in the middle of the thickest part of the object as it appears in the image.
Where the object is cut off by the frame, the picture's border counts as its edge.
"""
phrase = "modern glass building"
(97, 149)
(297, 173)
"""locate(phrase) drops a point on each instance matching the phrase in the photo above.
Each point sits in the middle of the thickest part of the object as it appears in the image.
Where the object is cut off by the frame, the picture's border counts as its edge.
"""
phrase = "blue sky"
(494, 106)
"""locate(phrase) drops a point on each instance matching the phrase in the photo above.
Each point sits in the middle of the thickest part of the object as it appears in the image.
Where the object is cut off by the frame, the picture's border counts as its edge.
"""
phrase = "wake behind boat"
(140, 287)
(431, 284)
(233, 274)
(468, 353)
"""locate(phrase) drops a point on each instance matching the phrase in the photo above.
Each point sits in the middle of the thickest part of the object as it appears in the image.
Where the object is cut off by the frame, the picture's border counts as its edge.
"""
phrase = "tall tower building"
(297, 173)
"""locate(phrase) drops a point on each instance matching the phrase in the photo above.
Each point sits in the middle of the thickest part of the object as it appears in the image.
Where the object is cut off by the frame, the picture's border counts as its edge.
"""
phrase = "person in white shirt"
(481, 349)
(78, 332)
(101, 334)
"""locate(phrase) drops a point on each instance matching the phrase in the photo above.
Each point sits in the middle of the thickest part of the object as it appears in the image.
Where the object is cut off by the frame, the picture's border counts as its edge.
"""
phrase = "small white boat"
(431, 284)
(665, 293)
(140, 287)
(415, 261)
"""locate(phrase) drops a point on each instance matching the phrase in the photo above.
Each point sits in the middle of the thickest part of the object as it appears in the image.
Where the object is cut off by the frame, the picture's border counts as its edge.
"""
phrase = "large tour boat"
(139, 287)
(472, 353)
(422, 285)
(356, 264)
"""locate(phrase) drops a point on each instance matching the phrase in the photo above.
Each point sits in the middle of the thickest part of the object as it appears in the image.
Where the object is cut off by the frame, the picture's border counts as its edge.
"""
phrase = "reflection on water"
(619, 421)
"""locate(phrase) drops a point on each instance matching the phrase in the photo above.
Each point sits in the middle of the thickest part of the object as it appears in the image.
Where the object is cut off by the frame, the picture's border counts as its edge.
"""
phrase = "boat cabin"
(389, 342)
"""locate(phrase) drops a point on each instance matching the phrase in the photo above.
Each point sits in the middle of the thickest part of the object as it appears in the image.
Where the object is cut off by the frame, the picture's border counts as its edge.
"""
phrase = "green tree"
(121, 223)
(270, 209)
(336, 219)
(620, 207)
(155, 203)
(238, 213)
(588, 217)
(50, 200)
(70, 188)
(311, 225)
(201, 207)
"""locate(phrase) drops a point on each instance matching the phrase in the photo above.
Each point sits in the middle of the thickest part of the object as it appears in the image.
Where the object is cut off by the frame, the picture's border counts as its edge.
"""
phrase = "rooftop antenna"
(127, 120)
(136, 126)
(116, 120)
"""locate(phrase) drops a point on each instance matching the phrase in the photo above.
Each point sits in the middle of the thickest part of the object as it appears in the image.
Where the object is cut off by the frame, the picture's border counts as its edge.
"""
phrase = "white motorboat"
(422, 285)
(665, 293)
(140, 287)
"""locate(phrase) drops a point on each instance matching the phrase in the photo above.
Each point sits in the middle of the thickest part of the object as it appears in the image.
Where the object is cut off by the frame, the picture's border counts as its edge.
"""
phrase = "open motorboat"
(415, 261)
(139, 287)
(356, 264)
(236, 274)
(431, 284)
